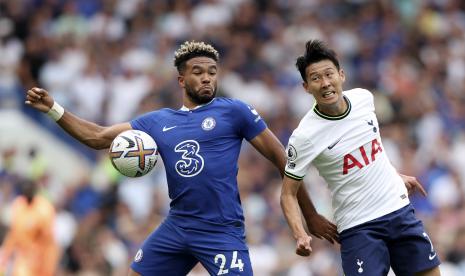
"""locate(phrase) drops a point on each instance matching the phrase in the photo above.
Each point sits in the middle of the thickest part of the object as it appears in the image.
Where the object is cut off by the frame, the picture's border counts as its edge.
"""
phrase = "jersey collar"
(184, 108)
(331, 117)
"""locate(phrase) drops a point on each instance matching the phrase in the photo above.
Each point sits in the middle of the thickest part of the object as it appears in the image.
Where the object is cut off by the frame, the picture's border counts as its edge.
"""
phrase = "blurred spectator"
(29, 247)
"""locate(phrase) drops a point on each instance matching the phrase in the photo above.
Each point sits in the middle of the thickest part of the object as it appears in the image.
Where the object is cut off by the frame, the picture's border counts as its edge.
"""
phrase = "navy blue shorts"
(396, 240)
(172, 250)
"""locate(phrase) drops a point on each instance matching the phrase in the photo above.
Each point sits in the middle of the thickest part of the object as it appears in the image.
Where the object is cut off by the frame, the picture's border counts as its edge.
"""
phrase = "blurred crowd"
(110, 60)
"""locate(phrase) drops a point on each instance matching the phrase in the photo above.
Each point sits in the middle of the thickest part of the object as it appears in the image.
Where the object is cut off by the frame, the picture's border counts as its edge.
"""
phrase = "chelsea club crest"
(208, 123)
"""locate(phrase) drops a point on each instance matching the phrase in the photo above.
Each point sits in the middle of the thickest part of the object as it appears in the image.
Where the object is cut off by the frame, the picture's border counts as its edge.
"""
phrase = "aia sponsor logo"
(359, 158)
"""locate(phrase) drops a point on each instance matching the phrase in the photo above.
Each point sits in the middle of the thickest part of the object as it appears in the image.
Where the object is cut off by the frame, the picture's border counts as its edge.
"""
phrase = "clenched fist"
(39, 99)
(303, 247)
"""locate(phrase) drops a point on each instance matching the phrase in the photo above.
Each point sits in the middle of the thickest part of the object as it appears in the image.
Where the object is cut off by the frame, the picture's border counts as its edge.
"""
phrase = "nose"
(325, 82)
(205, 78)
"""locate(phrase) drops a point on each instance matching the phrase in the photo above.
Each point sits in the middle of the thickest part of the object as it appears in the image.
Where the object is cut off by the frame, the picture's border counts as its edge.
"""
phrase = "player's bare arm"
(291, 211)
(413, 185)
(88, 133)
(270, 147)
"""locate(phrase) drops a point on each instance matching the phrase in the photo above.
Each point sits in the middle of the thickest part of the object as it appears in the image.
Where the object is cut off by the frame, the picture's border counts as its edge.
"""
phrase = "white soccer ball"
(133, 153)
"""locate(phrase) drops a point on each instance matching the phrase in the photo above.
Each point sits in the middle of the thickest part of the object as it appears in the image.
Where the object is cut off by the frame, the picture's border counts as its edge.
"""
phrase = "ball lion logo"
(138, 256)
(291, 153)
(208, 123)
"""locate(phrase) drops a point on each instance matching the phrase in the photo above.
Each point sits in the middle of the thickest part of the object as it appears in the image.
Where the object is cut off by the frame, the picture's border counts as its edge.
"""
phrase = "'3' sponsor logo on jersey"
(191, 163)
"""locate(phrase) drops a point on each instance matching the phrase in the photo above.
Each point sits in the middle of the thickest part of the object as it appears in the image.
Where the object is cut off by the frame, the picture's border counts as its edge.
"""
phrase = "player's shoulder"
(232, 106)
(306, 126)
(18, 203)
(359, 97)
(163, 112)
(44, 204)
(358, 93)
(228, 101)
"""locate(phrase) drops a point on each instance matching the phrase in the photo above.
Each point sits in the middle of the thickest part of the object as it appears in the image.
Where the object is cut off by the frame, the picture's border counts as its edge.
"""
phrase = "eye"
(314, 78)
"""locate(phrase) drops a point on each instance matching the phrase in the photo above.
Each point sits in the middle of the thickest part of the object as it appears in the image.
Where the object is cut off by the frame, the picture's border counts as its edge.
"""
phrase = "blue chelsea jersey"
(200, 149)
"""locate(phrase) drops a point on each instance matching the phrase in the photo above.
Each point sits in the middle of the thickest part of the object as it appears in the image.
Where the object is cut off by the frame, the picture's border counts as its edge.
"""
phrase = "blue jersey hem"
(236, 227)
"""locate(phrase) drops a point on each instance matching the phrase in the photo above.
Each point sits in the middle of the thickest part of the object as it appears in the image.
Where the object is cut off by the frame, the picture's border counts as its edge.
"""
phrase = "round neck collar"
(334, 117)
(185, 108)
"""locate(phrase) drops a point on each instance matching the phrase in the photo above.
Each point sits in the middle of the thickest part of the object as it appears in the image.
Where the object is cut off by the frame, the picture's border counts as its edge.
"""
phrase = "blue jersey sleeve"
(144, 122)
(249, 121)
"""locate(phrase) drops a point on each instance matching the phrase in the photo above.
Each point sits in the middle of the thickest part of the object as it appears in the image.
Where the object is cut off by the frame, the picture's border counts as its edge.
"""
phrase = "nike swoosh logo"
(334, 144)
(168, 128)
(431, 257)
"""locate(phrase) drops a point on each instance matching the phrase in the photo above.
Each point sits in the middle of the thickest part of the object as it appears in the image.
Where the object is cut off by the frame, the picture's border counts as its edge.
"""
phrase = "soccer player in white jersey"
(340, 137)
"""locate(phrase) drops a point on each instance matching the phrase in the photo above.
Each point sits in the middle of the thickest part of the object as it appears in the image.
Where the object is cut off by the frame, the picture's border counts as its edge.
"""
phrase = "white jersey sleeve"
(298, 162)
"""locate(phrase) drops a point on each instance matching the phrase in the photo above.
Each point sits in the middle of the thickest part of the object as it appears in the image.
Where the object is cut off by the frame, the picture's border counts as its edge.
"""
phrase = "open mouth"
(328, 94)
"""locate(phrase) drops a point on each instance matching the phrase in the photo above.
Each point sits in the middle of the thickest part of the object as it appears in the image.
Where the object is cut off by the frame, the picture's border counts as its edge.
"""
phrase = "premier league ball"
(133, 153)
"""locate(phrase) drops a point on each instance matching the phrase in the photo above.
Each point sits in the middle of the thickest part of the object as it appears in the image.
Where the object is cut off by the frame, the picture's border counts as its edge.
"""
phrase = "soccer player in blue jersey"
(199, 145)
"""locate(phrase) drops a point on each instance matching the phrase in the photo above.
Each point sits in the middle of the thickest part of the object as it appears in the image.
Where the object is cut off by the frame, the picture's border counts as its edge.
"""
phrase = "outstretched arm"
(270, 147)
(88, 133)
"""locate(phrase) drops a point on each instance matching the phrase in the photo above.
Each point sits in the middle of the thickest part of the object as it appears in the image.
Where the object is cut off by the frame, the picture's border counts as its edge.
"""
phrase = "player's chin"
(206, 95)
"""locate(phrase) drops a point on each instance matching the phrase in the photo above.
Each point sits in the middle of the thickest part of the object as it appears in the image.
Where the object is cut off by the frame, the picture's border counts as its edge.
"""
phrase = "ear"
(343, 75)
(305, 85)
(181, 81)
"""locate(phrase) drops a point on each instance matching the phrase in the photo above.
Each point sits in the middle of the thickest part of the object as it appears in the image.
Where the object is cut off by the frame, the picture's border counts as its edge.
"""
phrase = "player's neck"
(336, 109)
(187, 105)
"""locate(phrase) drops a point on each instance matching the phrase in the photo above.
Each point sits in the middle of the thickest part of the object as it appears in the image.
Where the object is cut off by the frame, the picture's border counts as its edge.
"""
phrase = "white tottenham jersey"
(349, 155)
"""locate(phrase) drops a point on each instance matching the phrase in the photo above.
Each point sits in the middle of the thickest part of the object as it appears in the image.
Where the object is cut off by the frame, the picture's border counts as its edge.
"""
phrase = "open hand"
(322, 228)
(412, 185)
(39, 99)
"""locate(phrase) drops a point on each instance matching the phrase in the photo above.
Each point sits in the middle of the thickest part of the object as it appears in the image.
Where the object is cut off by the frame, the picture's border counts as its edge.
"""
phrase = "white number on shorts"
(223, 262)
(235, 263)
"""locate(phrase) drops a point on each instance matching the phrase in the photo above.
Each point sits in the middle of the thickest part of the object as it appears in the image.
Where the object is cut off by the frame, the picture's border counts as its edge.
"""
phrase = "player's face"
(324, 82)
(199, 80)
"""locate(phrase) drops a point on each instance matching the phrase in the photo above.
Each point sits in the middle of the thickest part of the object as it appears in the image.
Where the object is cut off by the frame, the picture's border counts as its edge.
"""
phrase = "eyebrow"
(197, 66)
(322, 71)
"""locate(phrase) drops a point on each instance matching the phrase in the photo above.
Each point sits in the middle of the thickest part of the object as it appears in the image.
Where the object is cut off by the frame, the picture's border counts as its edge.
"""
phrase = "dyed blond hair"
(191, 49)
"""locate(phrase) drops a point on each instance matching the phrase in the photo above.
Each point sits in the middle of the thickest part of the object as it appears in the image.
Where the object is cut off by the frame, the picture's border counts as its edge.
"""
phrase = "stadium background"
(109, 60)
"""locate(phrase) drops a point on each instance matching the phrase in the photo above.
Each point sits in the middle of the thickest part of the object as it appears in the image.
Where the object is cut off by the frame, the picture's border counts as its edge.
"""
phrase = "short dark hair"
(315, 51)
(192, 49)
